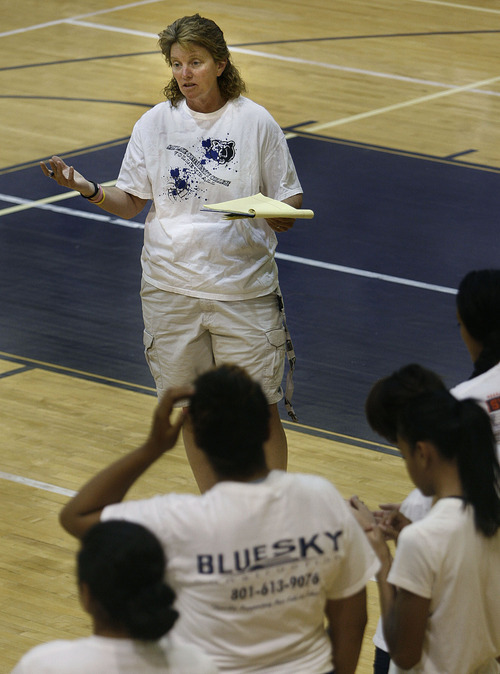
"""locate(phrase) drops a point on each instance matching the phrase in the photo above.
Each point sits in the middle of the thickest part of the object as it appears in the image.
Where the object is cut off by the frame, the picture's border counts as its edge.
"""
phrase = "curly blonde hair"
(197, 30)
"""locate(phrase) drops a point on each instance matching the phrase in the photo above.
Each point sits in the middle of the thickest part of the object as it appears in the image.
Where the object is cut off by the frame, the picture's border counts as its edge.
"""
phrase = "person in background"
(120, 571)
(210, 291)
(260, 560)
(439, 596)
(387, 397)
(478, 313)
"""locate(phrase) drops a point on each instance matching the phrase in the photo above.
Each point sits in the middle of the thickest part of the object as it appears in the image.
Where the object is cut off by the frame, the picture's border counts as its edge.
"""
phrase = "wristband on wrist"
(102, 195)
(96, 190)
(97, 198)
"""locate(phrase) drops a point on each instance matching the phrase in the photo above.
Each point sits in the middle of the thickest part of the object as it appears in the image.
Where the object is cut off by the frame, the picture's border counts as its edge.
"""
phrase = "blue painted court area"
(368, 283)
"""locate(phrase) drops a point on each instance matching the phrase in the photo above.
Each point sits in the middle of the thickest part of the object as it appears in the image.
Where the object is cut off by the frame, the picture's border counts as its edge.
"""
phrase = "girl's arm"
(404, 618)
(404, 614)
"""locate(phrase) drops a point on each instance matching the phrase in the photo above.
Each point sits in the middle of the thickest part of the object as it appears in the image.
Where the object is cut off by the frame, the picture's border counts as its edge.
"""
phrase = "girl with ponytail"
(460, 435)
(478, 313)
(120, 570)
(440, 596)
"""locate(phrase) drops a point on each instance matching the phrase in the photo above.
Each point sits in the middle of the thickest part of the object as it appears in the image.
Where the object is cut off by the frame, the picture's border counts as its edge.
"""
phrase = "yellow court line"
(291, 424)
(398, 106)
(47, 200)
(105, 380)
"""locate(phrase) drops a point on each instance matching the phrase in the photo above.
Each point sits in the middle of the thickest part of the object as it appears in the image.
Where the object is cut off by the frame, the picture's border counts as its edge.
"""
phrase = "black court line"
(74, 153)
(28, 364)
(460, 154)
(330, 38)
(383, 36)
(104, 57)
(17, 370)
(297, 129)
(75, 98)
(71, 286)
(338, 437)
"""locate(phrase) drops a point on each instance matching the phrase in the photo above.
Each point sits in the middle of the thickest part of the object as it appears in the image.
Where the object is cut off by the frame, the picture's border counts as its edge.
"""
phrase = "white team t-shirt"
(486, 390)
(182, 159)
(253, 565)
(104, 655)
(443, 558)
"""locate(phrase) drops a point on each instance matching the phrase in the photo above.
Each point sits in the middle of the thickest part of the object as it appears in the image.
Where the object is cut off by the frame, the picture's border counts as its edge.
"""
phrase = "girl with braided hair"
(121, 570)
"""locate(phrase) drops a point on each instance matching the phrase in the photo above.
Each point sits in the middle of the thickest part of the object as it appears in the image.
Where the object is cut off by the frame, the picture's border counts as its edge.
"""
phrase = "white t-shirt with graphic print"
(253, 565)
(182, 159)
(485, 388)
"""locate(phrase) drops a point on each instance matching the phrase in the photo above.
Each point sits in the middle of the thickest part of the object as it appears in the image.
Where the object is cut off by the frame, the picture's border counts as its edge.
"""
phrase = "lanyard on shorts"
(290, 354)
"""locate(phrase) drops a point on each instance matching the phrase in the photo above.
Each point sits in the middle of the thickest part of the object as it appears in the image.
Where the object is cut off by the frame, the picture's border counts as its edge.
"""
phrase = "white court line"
(290, 59)
(399, 106)
(112, 29)
(86, 215)
(347, 69)
(261, 54)
(366, 274)
(458, 6)
(25, 204)
(47, 205)
(147, 2)
(45, 486)
(79, 16)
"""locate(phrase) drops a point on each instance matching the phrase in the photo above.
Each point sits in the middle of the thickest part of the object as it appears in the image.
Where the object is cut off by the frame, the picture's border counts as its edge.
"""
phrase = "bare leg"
(276, 447)
(276, 450)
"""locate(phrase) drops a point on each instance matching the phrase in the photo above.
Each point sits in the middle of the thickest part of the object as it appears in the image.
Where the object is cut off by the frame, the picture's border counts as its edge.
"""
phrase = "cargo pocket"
(276, 363)
(152, 360)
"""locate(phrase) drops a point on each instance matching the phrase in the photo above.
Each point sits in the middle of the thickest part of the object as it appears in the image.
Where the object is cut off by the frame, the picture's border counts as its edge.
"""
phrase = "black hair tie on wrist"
(96, 190)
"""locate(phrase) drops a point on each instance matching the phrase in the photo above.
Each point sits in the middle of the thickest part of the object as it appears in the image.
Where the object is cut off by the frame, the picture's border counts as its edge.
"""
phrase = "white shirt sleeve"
(133, 177)
(278, 174)
(411, 569)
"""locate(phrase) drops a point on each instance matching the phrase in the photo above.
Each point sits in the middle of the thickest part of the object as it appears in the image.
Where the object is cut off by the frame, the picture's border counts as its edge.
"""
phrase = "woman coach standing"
(210, 290)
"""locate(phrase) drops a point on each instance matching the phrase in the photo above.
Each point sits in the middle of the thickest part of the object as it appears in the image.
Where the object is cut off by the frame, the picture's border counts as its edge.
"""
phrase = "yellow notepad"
(257, 206)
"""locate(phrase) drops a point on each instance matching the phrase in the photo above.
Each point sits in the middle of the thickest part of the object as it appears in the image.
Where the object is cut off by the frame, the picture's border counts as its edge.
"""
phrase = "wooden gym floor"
(390, 108)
